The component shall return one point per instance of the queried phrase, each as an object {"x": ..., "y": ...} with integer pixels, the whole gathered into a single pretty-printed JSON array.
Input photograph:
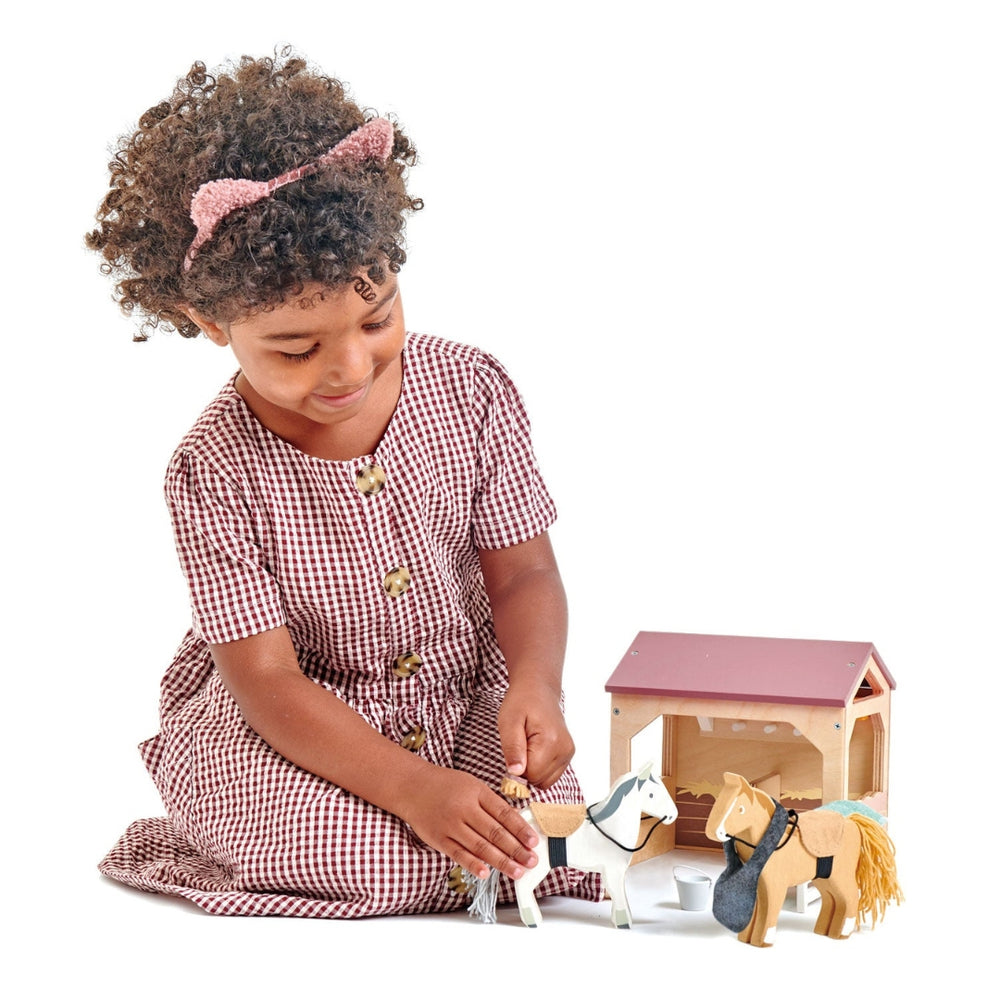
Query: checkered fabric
[{"x": 269, "y": 536}]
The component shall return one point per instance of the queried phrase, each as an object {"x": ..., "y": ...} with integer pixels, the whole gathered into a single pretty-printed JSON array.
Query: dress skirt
[{"x": 250, "y": 834}]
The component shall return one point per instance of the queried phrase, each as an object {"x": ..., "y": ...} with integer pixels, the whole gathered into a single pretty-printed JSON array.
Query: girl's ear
[{"x": 211, "y": 329}]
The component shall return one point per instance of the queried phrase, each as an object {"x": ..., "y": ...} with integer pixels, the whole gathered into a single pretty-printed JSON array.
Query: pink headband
[{"x": 214, "y": 200}]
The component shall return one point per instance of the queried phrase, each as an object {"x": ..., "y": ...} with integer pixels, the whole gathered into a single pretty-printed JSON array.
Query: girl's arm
[
  {"x": 530, "y": 619},
  {"x": 451, "y": 811}
]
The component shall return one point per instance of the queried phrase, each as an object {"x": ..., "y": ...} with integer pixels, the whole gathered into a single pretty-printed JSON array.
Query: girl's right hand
[{"x": 457, "y": 814}]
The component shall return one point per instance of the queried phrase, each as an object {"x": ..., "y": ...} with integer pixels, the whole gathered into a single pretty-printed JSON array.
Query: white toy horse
[{"x": 598, "y": 838}]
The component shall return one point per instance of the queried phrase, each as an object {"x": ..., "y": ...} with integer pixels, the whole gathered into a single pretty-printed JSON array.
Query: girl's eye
[
  {"x": 305, "y": 356},
  {"x": 381, "y": 324}
]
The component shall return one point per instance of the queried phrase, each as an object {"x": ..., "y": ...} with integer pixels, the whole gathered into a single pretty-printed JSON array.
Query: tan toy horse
[{"x": 849, "y": 858}]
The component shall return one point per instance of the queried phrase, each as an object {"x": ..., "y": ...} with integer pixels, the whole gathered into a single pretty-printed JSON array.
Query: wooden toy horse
[
  {"x": 598, "y": 838},
  {"x": 849, "y": 858}
]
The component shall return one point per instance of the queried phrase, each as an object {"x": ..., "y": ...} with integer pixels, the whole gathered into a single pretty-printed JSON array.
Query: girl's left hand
[{"x": 536, "y": 744}]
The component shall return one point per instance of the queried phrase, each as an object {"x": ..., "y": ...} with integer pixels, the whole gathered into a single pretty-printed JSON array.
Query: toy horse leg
[
  {"x": 839, "y": 908},
  {"x": 524, "y": 889},
  {"x": 834, "y": 918},
  {"x": 839, "y": 893},
  {"x": 621, "y": 915},
  {"x": 849, "y": 922},
  {"x": 745, "y": 934},
  {"x": 765, "y": 915},
  {"x": 827, "y": 907}
]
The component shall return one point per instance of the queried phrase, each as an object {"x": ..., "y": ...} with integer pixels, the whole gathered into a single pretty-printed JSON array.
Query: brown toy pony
[{"x": 849, "y": 858}]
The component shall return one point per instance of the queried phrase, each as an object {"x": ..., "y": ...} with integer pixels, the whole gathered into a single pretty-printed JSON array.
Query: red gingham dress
[{"x": 270, "y": 536}]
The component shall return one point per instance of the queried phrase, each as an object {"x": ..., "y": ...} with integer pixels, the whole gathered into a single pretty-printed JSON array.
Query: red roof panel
[{"x": 744, "y": 668}]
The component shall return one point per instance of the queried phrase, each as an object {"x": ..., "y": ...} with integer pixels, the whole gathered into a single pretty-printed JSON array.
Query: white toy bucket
[{"x": 694, "y": 887}]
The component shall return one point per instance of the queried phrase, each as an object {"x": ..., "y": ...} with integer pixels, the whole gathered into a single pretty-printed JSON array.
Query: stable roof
[{"x": 745, "y": 668}]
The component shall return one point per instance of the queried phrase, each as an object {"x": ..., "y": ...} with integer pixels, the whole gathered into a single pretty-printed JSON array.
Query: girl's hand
[
  {"x": 457, "y": 814},
  {"x": 536, "y": 744}
]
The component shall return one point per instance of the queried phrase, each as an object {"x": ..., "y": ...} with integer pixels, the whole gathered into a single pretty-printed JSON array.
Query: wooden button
[
  {"x": 414, "y": 739},
  {"x": 407, "y": 665},
  {"x": 370, "y": 480},
  {"x": 397, "y": 581}
]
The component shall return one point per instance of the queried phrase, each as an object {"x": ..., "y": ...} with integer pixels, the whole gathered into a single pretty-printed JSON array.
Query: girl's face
[{"x": 313, "y": 365}]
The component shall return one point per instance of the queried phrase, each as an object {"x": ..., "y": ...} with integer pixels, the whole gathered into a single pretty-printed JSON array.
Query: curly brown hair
[{"x": 255, "y": 120}]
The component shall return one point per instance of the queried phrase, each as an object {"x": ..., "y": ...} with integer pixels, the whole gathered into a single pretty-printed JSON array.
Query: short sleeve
[
  {"x": 512, "y": 504},
  {"x": 233, "y": 595}
]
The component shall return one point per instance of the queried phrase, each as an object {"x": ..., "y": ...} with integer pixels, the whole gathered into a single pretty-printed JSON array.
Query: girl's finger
[
  {"x": 480, "y": 855},
  {"x": 510, "y": 822},
  {"x": 472, "y": 859},
  {"x": 497, "y": 847}
]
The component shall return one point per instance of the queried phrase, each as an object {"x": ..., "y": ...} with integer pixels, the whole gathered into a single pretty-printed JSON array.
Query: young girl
[{"x": 378, "y": 620}]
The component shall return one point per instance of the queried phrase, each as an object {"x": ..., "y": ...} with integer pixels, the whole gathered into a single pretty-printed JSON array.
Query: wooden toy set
[{"x": 777, "y": 749}]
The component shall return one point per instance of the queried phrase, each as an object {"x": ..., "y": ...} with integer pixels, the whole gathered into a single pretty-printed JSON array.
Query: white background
[{"x": 742, "y": 260}]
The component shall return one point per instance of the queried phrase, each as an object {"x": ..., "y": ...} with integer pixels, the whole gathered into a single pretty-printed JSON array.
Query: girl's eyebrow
[
  {"x": 305, "y": 335},
  {"x": 288, "y": 336}
]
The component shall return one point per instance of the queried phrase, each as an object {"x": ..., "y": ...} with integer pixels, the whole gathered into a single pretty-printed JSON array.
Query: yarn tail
[
  {"x": 484, "y": 896},
  {"x": 876, "y": 872}
]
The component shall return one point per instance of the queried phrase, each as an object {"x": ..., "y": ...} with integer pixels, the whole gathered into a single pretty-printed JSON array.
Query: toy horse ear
[
  {"x": 729, "y": 778},
  {"x": 645, "y": 771}
]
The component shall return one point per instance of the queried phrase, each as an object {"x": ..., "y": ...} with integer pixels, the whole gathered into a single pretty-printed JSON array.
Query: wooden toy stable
[{"x": 805, "y": 720}]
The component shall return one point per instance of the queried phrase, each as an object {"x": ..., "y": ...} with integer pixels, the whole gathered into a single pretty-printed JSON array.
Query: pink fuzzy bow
[{"x": 214, "y": 200}]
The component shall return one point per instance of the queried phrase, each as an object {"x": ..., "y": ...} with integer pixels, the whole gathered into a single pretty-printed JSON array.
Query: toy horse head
[{"x": 738, "y": 808}]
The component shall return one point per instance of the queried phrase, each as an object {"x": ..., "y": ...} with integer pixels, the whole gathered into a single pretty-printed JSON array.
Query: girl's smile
[
  {"x": 341, "y": 399},
  {"x": 323, "y": 371}
]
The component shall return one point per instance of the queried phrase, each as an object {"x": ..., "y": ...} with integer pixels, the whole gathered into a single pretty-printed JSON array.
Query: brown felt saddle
[
  {"x": 555, "y": 820},
  {"x": 821, "y": 831}
]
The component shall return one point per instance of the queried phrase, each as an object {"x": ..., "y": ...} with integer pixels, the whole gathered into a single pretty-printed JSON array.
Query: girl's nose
[{"x": 349, "y": 366}]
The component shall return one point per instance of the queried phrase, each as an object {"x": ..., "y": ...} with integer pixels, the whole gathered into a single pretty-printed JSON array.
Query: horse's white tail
[{"x": 484, "y": 897}]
